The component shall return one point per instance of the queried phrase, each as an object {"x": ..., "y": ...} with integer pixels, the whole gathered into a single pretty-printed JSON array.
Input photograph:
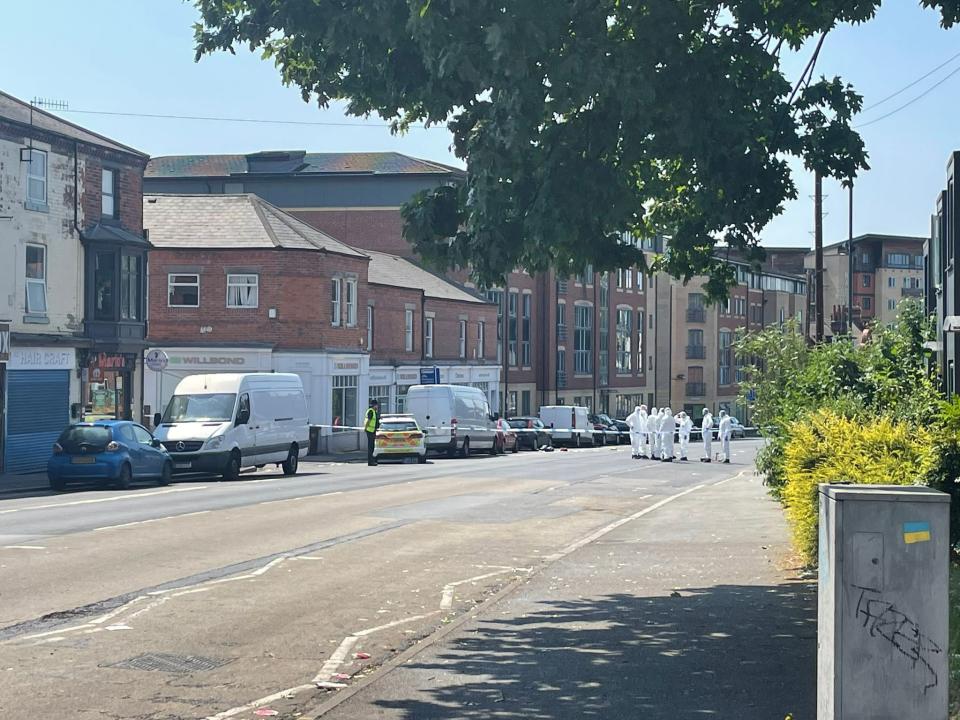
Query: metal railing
[
  {"x": 696, "y": 315},
  {"x": 561, "y": 379},
  {"x": 911, "y": 292},
  {"x": 696, "y": 352},
  {"x": 561, "y": 287},
  {"x": 561, "y": 332},
  {"x": 696, "y": 389}
]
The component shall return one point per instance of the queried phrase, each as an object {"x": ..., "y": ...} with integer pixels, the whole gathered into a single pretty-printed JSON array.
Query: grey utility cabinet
[{"x": 883, "y": 603}]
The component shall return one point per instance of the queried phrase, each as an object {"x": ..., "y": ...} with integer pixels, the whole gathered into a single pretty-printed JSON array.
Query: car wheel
[
  {"x": 465, "y": 449},
  {"x": 125, "y": 477},
  {"x": 292, "y": 462},
  {"x": 516, "y": 446},
  {"x": 232, "y": 471},
  {"x": 166, "y": 475},
  {"x": 578, "y": 440},
  {"x": 422, "y": 459},
  {"x": 57, "y": 484},
  {"x": 495, "y": 448}
]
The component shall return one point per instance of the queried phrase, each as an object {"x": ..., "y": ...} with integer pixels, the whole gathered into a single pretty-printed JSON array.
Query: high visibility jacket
[{"x": 372, "y": 420}]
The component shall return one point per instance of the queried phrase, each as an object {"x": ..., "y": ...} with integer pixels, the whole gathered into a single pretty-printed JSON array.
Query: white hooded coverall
[
  {"x": 635, "y": 421},
  {"x": 654, "y": 432},
  {"x": 707, "y": 427},
  {"x": 668, "y": 426},
  {"x": 724, "y": 431},
  {"x": 685, "y": 426}
]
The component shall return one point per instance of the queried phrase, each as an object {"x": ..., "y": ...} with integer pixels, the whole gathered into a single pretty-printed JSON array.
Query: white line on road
[
  {"x": 106, "y": 499},
  {"x": 617, "y": 523},
  {"x": 378, "y": 628},
  {"x": 446, "y": 600},
  {"x": 151, "y": 520},
  {"x": 261, "y": 702},
  {"x": 336, "y": 660},
  {"x": 24, "y": 547}
]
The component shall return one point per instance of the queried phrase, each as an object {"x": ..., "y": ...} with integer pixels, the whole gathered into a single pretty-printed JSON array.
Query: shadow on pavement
[{"x": 743, "y": 652}]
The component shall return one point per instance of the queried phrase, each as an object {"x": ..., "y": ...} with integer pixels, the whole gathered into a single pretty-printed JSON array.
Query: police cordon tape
[{"x": 547, "y": 430}]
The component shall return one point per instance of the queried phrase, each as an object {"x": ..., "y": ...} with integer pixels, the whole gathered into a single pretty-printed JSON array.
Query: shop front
[
  {"x": 4, "y": 359},
  {"x": 41, "y": 386},
  {"x": 108, "y": 384}
]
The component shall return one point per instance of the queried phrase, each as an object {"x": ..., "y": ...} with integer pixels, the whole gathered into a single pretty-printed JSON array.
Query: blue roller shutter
[{"x": 38, "y": 408}]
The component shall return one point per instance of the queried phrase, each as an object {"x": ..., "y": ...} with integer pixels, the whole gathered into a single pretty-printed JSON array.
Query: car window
[
  {"x": 124, "y": 433},
  {"x": 94, "y": 436},
  {"x": 398, "y": 426},
  {"x": 143, "y": 437}
]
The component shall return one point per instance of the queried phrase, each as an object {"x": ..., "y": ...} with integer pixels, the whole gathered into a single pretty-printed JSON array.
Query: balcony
[
  {"x": 911, "y": 292},
  {"x": 561, "y": 333},
  {"x": 561, "y": 287},
  {"x": 696, "y": 389},
  {"x": 561, "y": 379},
  {"x": 696, "y": 352},
  {"x": 696, "y": 315}
]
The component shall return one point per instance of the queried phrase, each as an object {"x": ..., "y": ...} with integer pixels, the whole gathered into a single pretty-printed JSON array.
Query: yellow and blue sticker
[{"x": 916, "y": 532}]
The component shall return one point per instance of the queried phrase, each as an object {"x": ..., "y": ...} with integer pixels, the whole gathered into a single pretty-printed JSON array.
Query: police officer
[{"x": 370, "y": 425}]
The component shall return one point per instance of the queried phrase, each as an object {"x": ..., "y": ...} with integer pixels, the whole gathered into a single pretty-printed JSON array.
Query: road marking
[
  {"x": 742, "y": 473},
  {"x": 151, "y": 520},
  {"x": 261, "y": 702},
  {"x": 446, "y": 599},
  {"x": 378, "y": 628},
  {"x": 617, "y": 523},
  {"x": 334, "y": 662},
  {"x": 24, "y": 547},
  {"x": 103, "y": 500}
]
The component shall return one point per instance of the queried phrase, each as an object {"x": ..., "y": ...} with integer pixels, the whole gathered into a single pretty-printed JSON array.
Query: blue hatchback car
[{"x": 114, "y": 452}]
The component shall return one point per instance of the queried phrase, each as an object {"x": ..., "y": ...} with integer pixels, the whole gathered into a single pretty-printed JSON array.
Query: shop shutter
[{"x": 38, "y": 408}]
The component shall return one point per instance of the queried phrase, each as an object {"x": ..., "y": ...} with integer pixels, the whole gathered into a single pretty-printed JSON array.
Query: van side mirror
[{"x": 157, "y": 417}]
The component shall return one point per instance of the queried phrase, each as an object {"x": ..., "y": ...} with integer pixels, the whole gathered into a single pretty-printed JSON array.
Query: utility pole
[
  {"x": 850, "y": 262},
  {"x": 818, "y": 253}
]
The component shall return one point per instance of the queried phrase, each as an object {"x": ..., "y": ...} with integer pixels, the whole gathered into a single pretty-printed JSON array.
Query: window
[
  {"x": 741, "y": 306},
  {"x": 108, "y": 193},
  {"x": 624, "y": 278},
  {"x": 130, "y": 287},
  {"x": 183, "y": 290},
  {"x": 496, "y": 296},
  {"x": 639, "y": 280},
  {"x": 351, "y": 302},
  {"x": 868, "y": 303},
  {"x": 898, "y": 259},
  {"x": 725, "y": 356},
  {"x": 344, "y": 400},
  {"x": 37, "y": 178},
  {"x": 243, "y": 291},
  {"x": 781, "y": 316},
  {"x": 381, "y": 393},
  {"x": 369, "y": 328},
  {"x": 891, "y": 282},
  {"x": 525, "y": 331},
  {"x": 408, "y": 330},
  {"x": 463, "y": 339},
  {"x": 512, "y": 402},
  {"x": 36, "y": 279},
  {"x": 866, "y": 281},
  {"x": 561, "y": 321},
  {"x": 624, "y": 339},
  {"x": 918, "y": 261},
  {"x": 402, "y": 398},
  {"x": 891, "y": 304},
  {"x": 512, "y": 328},
  {"x": 481, "y": 335},
  {"x": 335, "y": 290},
  {"x": 428, "y": 338},
  {"x": 525, "y": 402},
  {"x": 583, "y": 339},
  {"x": 104, "y": 290},
  {"x": 141, "y": 435},
  {"x": 640, "y": 341}
]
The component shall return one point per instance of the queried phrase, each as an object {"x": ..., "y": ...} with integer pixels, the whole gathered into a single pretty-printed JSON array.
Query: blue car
[{"x": 116, "y": 452}]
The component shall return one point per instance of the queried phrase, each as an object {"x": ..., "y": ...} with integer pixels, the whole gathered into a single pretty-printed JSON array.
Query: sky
[{"x": 136, "y": 56}]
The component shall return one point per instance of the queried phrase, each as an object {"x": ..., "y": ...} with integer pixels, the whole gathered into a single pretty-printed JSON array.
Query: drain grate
[{"x": 163, "y": 662}]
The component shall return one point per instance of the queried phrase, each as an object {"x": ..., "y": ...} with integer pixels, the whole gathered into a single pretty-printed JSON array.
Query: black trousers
[{"x": 371, "y": 439}]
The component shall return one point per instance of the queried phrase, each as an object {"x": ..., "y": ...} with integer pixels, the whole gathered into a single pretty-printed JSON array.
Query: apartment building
[
  {"x": 885, "y": 270},
  {"x": 72, "y": 308},
  {"x": 941, "y": 280}
]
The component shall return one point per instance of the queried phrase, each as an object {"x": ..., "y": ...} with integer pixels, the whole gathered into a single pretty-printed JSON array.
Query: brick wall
[
  {"x": 366, "y": 229},
  {"x": 297, "y": 283},
  {"x": 129, "y": 189}
]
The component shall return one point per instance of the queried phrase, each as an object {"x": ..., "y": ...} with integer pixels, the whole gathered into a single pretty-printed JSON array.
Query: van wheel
[
  {"x": 578, "y": 440},
  {"x": 166, "y": 475},
  {"x": 292, "y": 462},
  {"x": 465, "y": 449},
  {"x": 422, "y": 459},
  {"x": 232, "y": 471},
  {"x": 125, "y": 477}
]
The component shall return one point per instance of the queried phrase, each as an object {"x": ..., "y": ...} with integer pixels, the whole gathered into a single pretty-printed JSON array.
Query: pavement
[{"x": 544, "y": 585}]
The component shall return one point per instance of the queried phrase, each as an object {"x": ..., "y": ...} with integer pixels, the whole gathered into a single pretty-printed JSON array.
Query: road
[{"x": 209, "y": 599}]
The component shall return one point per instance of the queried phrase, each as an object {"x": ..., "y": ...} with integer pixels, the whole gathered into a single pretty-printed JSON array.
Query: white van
[
  {"x": 454, "y": 418},
  {"x": 224, "y": 422},
  {"x": 570, "y": 423}
]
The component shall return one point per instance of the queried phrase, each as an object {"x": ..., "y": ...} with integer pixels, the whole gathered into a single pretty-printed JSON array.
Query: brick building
[
  {"x": 72, "y": 304},
  {"x": 236, "y": 284}
]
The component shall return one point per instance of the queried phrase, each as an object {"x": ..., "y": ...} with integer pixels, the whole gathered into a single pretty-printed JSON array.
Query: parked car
[
  {"x": 531, "y": 432},
  {"x": 507, "y": 440},
  {"x": 624, "y": 431},
  {"x": 736, "y": 429},
  {"x": 117, "y": 452},
  {"x": 399, "y": 436},
  {"x": 605, "y": 432},
  {"x": 568, "y": 424},
  {"x": 454, "y": 418},
  {"x": 615, "y": 433},
  {"x": 220, "y": 423}
]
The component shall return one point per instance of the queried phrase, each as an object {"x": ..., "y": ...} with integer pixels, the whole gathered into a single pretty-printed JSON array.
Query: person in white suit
[
  {"x": 642, "y": 428},
  {"x": 654, "y": 434},
  {"x": 684, "y": 428},
  {"x": 635, "y": 421},
  {"x": 668, "y": 426},
  {"x": 706, "y": 427},
  {"x": 724, "y": 431}
]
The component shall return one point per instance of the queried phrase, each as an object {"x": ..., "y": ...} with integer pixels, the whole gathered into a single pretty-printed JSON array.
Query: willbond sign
[{"x": 229, "y": 360}]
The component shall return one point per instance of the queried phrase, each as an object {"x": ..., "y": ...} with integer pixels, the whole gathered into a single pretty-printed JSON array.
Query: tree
[{"x": 579, "y": 120}]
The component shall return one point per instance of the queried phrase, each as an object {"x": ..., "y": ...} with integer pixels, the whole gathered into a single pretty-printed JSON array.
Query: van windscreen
[{"x": 215, "y": 407}]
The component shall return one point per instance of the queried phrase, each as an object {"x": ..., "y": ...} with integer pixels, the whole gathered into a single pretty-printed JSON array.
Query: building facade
[
  {"x": 941, "y": 281},
  {"x": 72, "y": 307}
]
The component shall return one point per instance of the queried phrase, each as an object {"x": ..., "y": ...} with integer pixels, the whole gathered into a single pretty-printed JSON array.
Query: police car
[{"x": 399, "y": 436}]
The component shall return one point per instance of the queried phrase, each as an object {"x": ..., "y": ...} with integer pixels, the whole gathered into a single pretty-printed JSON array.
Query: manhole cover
[{"x": 162, "y": 662}]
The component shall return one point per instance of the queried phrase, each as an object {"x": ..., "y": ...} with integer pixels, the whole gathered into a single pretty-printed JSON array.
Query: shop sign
[
  {"x": 346, "y": 365},
  {"x": 430, "y": 375},
  {"x": 487, "y": 374},
  {"x": 4, "y": 342},
  {"x": 460, "y": 375},
  {"x": 208, "y": 360},
  {"x": 407, "y": 377},
  {"x": 103, "y": 361},
  {"x": 381, "y": 378},
  {"x": 42, "y": 358},
  {"x": 157, "y": 360}
]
